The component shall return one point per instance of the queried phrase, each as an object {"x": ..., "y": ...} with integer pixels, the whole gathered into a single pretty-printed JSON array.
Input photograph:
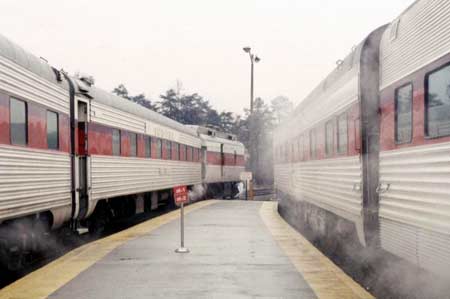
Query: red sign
[{"x": 180, "y": 194}]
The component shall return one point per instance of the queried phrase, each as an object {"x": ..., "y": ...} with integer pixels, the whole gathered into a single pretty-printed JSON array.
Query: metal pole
[
  {"x": 182, "y": 225},
  {"x": 251, "y": 84},
  {"x": 182, "y": 249}
]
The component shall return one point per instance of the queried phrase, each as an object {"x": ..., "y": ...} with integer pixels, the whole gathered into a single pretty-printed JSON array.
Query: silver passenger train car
[
  {"x": 367, "y": 152},
  {"x": 71, "y": 153}
]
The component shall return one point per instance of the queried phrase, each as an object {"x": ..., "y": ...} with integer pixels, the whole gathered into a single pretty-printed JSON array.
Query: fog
[{"x": 148, "y": 45}]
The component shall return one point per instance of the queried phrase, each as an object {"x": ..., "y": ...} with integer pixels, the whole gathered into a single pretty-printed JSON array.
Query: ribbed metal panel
[
  {"x": 114, "y": 176},
  {"x": 330, "y": 184},
  {"x": 419, "y": 198},
  {"x": 32, "y": 181},
  {"x": 113, "y": 117},
  {"x": 230, "y": 173},
  {"x": 423, "y": 35},
  {"x": 18, "y": 80},
  {"x": 281, "y": 177}
]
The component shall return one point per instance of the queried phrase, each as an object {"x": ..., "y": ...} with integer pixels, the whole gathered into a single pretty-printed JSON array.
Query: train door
[{"x": 82, "y": 157}]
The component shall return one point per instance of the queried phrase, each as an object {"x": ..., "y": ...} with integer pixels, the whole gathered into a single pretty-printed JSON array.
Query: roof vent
[
  {"x": 394, "y": 30},
  {"x": 89, "y": 80}
]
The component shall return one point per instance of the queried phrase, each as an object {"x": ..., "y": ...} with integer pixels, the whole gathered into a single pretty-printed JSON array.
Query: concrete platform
[{"x": 239, "y": 249}]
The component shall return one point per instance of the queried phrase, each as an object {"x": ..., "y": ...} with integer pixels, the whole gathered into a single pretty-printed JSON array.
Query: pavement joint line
[
  {"x": 51, "y": 277},
  {"x": 326, "y": 279}
]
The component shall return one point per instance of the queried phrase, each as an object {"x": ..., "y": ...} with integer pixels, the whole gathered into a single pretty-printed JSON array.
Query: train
[
  {"x": 366, "y": 155},
  {"x": 74, "y": 155}
]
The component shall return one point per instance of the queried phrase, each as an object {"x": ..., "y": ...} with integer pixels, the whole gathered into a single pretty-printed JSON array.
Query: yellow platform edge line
[
  {"x": 48, "y": 279},
  {"x": 326, "y": 279}
]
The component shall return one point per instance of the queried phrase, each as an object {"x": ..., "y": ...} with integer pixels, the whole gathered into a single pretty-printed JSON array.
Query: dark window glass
[
  {"x": 438, "y": 103},
  {"x": 52, "y": 130},
  {"x": 342, "y": 134},
  {"x": 189, "y": 153},
  {"x": 18, "y": 116},
  {"x": 133, "y": 145},
  {"x": 312, "y": 144},
  {"x": 176, "y": 148},
  {"x": 185, "y": 152},
  {"x": 159, "y": 149},
  {"x": 148, "y": 146},
  {"x": 169, "y": 150},
  {"x": 403, "y": 114},
  {"x": 179, "y": 151},
  {"x": 235, "y": 158},
  {"x": 116, "y": 142},
  {"x": 329, "y": 132},
  {"x": 300, "y": 148}
]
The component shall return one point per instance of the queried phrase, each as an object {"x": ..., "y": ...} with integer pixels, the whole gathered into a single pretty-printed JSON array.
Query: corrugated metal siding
[
  {"x": 418, "y": 197},
  {"x": 32, "y": 181},
  {"x": 232, "y": 173},
  {"x": 423, "y": 35},
  {"x": 329, "y": 184},
  {"x": 114, "y": 176},
  {"x": 112, "y": 117},
  {"x": 17, "y": 80},
  {"x": 281, "y": 177}
]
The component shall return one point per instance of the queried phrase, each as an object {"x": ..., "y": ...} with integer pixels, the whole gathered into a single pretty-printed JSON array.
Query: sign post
[
  {"x": 181, "y": 196},
  {"x": 246, "y": 176}
]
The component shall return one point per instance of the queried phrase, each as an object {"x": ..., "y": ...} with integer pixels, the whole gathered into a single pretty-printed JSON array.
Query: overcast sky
[{"x": 149, "y": 45}]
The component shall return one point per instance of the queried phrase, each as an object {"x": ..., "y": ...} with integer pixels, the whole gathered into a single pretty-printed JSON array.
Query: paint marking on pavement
[
  {"x": 46, "y": 280},
  {"x": 326, "y": 279}
]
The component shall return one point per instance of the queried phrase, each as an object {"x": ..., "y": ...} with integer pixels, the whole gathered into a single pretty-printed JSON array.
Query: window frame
[
  {"x": 120, "y": 142},
  {"x": 412, "y": 113},
  {"x": 148, "y": 146},
  {"x": 135, "y": 153},
  {"x": 159, "y": 148},
  {"x": 425, "y": 110},
  {"x": 57, "y": 129},
  {"x": 169, "y": 149},
  {"x": 331, "y": 153},
  {"x": 338, "y": 127},
  {"x": 26, "y": 122},
  {"x": 312, "y": 153}
]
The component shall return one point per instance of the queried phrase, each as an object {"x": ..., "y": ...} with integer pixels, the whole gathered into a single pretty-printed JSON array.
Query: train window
[
  {"x": 52, "y": 130},
  {"x": 133, "y": 144},
  {"x": 300, "y": 148},
  {"x": 403, "y": 114},
  {"x": 342, "y": 133},
  {"x": 182, "y": 150},
  {"x": 158, "y": 148},
  {"x": 176, "y": 148},
  {"x": 191, "y": 153},
  {"x": 18, "y": 116},
  {"x": 116, "y": 138},
  {"x": 185, "y": 152},
  {"x": 169, "y": 150},
  {"x": 235, "y": 158},
  {"x": 148, "y": 146},
  {"x": 179, "y": 151},
  {"x": 312, "y": 144},
  {"x": 438, "y": 103},
  {"x": 329, "y": 142}
]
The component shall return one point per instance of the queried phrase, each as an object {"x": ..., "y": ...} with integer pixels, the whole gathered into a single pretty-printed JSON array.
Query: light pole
[{"x": 253, "y": 59}]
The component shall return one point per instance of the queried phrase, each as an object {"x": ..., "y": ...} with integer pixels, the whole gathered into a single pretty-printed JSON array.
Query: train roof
[
  {"x": 413, "y": 40},
  {"x": 28, "y": 61},
  {"x": 348, "y": 66},
  {"x": 106, "y": 98},
  {"x": 212, "y": 134}
]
